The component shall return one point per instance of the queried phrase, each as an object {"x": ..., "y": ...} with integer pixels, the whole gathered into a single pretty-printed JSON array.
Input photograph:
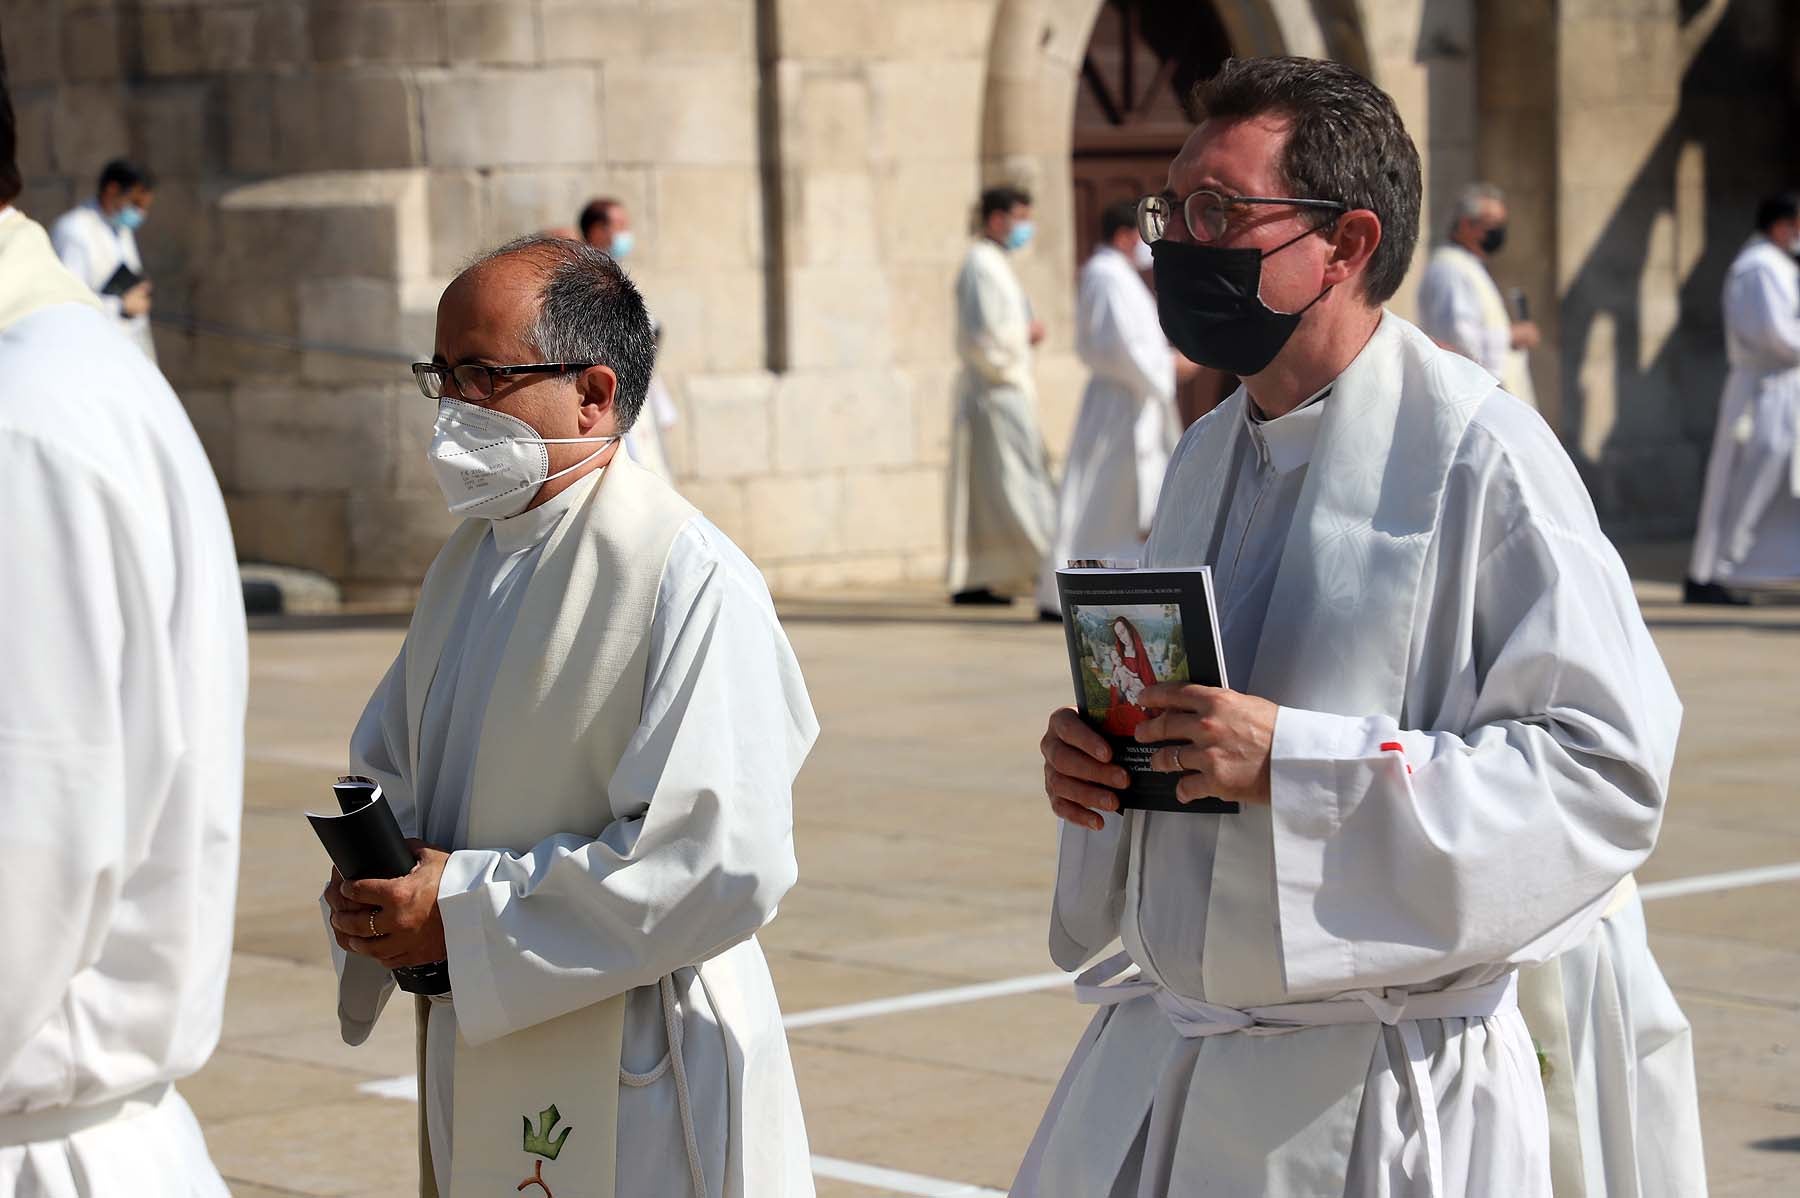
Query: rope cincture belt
[{"x": 1101, "y": 985}]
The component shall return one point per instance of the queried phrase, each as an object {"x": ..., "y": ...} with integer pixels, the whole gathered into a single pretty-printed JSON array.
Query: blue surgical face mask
[
  {"x": 130, "y": 217},
  {"x": 621, "y": 246},
  {"x": 1019, "y": 236}
]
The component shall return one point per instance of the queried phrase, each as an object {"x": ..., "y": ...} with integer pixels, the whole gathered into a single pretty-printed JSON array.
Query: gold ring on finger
[
  {"x": 1179, "y": 768},
  {"x": 372, "y": 932}
]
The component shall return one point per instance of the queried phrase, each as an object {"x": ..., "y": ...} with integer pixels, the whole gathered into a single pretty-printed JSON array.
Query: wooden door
[{"x": 1131, "y": 118}]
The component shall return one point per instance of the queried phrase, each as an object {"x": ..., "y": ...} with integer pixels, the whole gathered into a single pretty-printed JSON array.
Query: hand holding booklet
[
  {"x": 364, "y": 841},
  {"x": 1129, "y": 629}
]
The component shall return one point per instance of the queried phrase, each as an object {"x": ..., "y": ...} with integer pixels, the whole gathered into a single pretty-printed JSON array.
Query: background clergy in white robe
[
  {"x": 1126, "y": 427},
  {"x": 674, "y": 776},
  {"x": 1452, "y": 745},
  {"x": 94, "y": 239},
  {"x": 121, "y": 745},
  {"x": 1749, "y": 529},
  {"x": 1460, "y": 306},
  {"x": 1001, "y": 505}
]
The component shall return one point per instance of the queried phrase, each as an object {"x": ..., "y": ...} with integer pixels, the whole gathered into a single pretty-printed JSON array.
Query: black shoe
[
  {"x": 1711, "y": 592},
  {"x": 980, "y": 598},
  {"x": 1046, "y": 616}
]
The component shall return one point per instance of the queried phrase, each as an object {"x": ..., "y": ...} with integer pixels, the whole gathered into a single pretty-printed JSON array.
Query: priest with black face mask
[{"x": 1451, "y": 749}]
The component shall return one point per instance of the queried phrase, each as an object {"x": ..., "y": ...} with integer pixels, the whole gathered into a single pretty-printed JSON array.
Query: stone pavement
[{"x": 925, "y": 859}]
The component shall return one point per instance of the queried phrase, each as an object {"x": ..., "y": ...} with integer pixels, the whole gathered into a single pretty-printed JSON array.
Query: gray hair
[
  {"x": 588, "y": 311},
  {"x": 1472, "y": 200}
]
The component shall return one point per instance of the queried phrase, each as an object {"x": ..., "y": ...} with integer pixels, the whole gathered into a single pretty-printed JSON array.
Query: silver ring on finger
[{"x": 1179, "y": 768}]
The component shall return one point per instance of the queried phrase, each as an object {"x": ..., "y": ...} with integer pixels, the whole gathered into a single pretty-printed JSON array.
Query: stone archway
[{"x": 1034, "y": 69}]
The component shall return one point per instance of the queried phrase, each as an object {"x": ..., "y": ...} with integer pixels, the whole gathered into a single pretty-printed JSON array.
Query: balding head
[{"x": 548, "y": 299}]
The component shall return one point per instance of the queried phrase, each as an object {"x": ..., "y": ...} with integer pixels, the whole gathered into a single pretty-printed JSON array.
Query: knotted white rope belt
[
  {"x": 61, "y": 1122},
  {"x": 1104, "y": 985}
]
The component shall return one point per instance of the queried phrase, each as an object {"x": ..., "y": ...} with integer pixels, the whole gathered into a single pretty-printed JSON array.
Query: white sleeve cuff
[{"x": 467, "y": 902}]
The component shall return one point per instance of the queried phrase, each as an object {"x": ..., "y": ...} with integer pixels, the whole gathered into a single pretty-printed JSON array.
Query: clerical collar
[
  {"x": 1286, "y": 442},
  {"x": 529, "y": 527}
]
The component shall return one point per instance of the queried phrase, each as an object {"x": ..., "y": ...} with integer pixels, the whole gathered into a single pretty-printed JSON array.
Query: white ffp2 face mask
[{"x": 489, "y": 464}]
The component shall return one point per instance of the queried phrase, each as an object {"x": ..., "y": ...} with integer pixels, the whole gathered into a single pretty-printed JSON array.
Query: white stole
[
  {"x": 1337, "y": 639},
  {"x": 567, "y": 698},
  {"x": 1515, "y": 367},
  {"x": 31, "y": 275}
]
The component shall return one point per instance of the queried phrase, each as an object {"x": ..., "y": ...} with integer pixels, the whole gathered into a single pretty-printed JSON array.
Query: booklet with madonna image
[{"x": 1129, "y": 629}]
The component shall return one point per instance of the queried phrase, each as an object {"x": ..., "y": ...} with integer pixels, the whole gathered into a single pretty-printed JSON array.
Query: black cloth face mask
[
  {"x": 1208, "y": 301},
  {"x": 1493, "y": 239}
]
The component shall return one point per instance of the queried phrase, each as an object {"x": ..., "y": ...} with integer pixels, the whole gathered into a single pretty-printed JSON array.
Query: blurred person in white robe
[
  {"x": 592, "y": 729},
  {"x": 1126, "y": 427},
  {"x": 121, "y": 744},
  {"x": 1460, "y": 305},
  {"x": 94, "y": 239},
  {"x": 605, "y": 224},
  {"x": 1001, "y": 504},
  {"x": 1749, "y": 527},
  {"x": 1451, "y": 747}
]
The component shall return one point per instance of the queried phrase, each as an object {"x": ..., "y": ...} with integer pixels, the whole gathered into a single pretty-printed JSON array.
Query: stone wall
[{"x": 802, "y": 175}]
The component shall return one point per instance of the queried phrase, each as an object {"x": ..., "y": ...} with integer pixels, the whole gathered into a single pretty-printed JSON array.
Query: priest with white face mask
[
  {"x": 592, "y": 728},
  {"x": 121, "y": 744},
  {"x": 1126, "y": 427},
  {"x": 1450, "y": 742}
]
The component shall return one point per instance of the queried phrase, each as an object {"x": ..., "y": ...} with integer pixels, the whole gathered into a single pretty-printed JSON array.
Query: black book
[
  {"x": 364, "y": 841},
  {"x": 123, "y": 280},
  {"x": 1127, "y": 629}
]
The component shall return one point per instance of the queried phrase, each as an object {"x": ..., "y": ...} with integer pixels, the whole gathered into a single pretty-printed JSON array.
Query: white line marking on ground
[
  {"x": 925, "y": 999},
  {"x": 406, "y": 1088},
  {"x": 895, "y": 1182},
  {"x": 1706, "y": 883}
]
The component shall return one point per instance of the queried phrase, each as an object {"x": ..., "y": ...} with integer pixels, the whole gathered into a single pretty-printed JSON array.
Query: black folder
[{"x": 365, "y": 841}]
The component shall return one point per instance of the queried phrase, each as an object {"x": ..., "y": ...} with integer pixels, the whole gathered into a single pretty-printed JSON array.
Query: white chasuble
[
  {"x": 1126, "y": 427},
  {"x": 628, "y": 828},
  {"x": 1472, "y": 751},
  {"x": 1001, "y": 506},
  {"x": 1749, "y": 526},
  {"x": 121, "y": 750},
  {"x": 1460, "y": 307}
]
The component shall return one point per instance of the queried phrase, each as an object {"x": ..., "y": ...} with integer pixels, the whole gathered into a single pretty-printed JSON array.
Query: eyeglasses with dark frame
[
  {"x": 1207, "y": 212},
  {"x": 474, "y": 381}
]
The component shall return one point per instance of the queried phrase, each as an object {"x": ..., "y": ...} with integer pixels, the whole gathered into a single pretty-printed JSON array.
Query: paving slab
[{"x": 926, "y": 857}]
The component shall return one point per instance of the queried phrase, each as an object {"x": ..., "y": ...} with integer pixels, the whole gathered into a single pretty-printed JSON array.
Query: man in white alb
[
  {"x": 1126, "y": 427},
  {"x": 1001, "y": 506},
  {"x": 97, "y": 240},
  {"x": 121, "y": 744},
  {"x": 593, "y": 728},
  {"x": 1749, "y": 527},
  {"x": 1452, "y": 742},
  {"x": 1460, "y": 306}
]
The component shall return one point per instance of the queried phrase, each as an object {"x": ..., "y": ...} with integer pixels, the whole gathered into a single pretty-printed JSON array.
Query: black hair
[
  {"x": 126, "y": 175},
  {"x": 589, "y": 311},
  {"x": 597, "y": 212},
  {"x": 1783, "y": 205},
  {"x": 1002, "y": 199},
  {"x": 1116, "y": 216},
  {"x": 11, "y": 184},
  {"x": 1346, "y": 142}
]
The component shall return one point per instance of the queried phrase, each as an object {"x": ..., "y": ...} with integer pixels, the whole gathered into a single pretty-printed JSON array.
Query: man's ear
[
  {"x": 1357, "y": 238},
  {"x": 597, "y": 386}
]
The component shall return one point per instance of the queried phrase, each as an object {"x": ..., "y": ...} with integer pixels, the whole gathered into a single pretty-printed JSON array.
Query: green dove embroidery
[{"x": 539, "y": 1142}]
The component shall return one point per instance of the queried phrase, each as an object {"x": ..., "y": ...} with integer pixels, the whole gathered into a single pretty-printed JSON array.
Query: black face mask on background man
[
  {"x": 1208, "y": 300},
  {"x": 1493, "y": 239}
]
